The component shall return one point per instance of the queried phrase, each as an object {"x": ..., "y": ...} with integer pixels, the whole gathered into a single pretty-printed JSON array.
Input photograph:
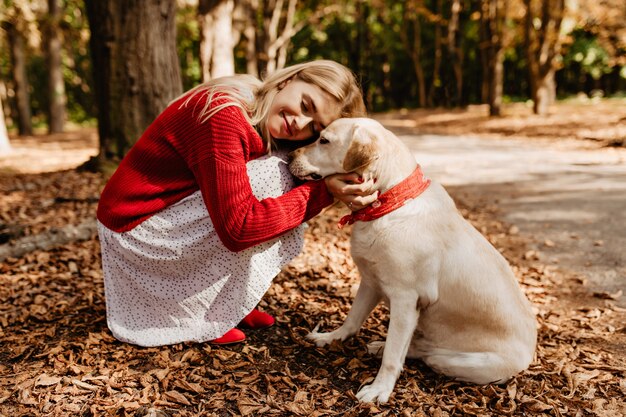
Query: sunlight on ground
[
  {"x": 602, "y": 122},
  {"x": 48, "y": 153},
  {"x": 556, "y": 215}
]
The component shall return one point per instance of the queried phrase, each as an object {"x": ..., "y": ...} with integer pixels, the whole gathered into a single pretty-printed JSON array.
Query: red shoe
[
  {"x": 230, "y": 337},
  {"x": 256, "y": 320}
]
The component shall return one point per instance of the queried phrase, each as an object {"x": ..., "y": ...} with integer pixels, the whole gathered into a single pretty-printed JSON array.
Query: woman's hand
[{"x": 352, "y": 190}]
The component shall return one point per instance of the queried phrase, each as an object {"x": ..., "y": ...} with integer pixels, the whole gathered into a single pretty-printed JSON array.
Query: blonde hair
[{"x": 255, "y": 97}]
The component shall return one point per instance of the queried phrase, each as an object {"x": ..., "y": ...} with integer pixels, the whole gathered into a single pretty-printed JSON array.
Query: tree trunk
[
  {"x": 485, "y": 49},
  {"x": 268, "y": 28},
  {"x": 412, "y": 40},
  {"x": 207, "y": 33},
  {"x": 543, "y": 43},
  {"x": 271, "y": 22},
  {"x": 496, "y": 86},
  {"x": 56, "y": 85},
  {"x": 492, "y": 26},
  {"x": 22, "y": 96},
  {"x": 436, "y": 84},
  {"x": 101, "y": 31},
  {"x": 272, "y": 38},
  {"x": 216, "y": 43},
  {"x": 283, "y": 42},
  {"x": 544, "y": 93},
  {"x": 454, "y": 50},
  {"x": 249, "y": 32},
  {"x": 5, "y": 145},
  {"x": 136, "y": 68}
]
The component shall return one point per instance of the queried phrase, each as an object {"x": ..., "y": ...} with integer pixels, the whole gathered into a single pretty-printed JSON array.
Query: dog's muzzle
[{"x": 300, "y": 169}]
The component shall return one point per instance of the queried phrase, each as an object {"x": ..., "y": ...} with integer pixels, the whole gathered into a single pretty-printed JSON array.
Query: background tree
[
  {"x": 136, "y": 68},
  {"x": 277, "y": 30},
  {"x": 56, "y": 85},
  {"x": 492, "y": 32},
  {"x": 268, "y": 27},
  {"x": 18, "y": 23},
  {"x": 5, "y": 145},
  {"x": 455, "y": 48},
  {"x": 414, "y": 13},
  {"x": 435, "y": 86},
  {"x": 20, "y": 79},
  {"x": 246, "y": 22},
  {"x": 217, "y": 41},
  {"x": 543, "y": 44},
  {"x": 407, "y": 53},
  {"x": 595, "y": 56}
]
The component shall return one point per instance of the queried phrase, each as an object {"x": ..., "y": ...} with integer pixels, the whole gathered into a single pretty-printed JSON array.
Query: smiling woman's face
[{"x": 300, "y": 110}]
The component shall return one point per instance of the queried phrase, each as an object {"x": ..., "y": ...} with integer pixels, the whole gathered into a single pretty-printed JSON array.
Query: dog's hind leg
[
  {"x": 366, "y": 299},
  {"x": 402, "y": 323}
]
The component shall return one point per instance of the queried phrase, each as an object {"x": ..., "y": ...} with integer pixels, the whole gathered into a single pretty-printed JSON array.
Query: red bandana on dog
[{"x": 392, "y": 199}]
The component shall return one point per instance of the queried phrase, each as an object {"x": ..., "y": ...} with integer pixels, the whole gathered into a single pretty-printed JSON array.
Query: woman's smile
[{"x": 287, "y": 127}]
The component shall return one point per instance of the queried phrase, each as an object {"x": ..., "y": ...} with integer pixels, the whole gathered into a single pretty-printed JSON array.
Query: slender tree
[
  {"x": 543, "y": 44},
  {"x": 5, "y": 145},
  {"x": 492, "y": 19},
  {"x": 216, "y": 38},
  {"x": 455, "y": 49},
  {"x": 136, "y": 68},
  {"x": 17, "y": 45},
  {"x": 248, "y": 10},
  {"x": 269, "y": 26},
  {"x": 411, "y": 35},
  {"x": 56, "y": 85},
  {"x": 436, "y": 77}
]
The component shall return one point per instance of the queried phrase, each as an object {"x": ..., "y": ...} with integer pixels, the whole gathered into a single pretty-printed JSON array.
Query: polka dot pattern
[{"x": 170, "y": 279}]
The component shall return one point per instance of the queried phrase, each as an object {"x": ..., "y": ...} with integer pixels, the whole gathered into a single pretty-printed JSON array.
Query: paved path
[{"x": 570, "y": 202}]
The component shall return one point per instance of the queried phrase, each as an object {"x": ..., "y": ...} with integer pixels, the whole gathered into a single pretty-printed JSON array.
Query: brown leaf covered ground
[{"x": 57, "y": 356}]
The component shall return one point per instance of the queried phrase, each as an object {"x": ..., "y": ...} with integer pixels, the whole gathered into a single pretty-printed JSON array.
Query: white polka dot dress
[{"x": 170, "y": 279}]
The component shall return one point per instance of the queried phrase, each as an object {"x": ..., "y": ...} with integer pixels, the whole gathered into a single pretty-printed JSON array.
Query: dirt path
[{"x": 568, "y": 200}]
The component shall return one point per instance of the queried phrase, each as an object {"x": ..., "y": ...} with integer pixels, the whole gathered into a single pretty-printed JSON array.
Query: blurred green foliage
[{"x": 365, "y": 35}]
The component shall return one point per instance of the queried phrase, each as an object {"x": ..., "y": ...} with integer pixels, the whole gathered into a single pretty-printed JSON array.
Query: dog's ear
[{"x": 362, "y": 150}]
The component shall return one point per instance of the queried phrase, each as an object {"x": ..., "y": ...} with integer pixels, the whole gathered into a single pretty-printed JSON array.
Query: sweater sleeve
[{"x": 240, "y": 219}]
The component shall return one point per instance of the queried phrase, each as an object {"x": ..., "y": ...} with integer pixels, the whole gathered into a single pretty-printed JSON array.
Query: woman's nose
[{"x": 302, "y": 121}]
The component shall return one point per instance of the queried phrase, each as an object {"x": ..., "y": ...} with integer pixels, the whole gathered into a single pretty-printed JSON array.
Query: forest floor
[{"x": 57, "y": 356}]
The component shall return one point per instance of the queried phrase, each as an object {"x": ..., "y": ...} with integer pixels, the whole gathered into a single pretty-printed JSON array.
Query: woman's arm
[
  {"x": 243, "y": 221},
  {"x": 218, "y": 162}
]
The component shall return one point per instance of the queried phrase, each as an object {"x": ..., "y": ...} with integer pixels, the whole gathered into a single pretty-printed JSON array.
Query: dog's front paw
[
  {"x": 374, "y": 393},
  {"x": 321, "y": 339}
]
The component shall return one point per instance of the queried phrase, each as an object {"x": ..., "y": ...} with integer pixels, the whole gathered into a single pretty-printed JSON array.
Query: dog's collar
[{"x": 392, "y": 199}]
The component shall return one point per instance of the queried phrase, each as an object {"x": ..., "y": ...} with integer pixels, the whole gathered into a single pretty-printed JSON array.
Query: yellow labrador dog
[{"x": 454, "y": 301}]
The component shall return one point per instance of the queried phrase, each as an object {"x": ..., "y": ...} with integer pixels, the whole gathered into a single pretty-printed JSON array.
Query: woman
[{"x": 198, "y": 219}]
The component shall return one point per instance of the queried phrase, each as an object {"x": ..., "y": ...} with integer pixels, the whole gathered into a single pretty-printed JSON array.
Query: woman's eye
[{"x": 324, "y": 141}]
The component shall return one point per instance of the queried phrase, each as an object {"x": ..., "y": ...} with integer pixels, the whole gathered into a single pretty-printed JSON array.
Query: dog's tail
[{"x": 476, "y": 367}]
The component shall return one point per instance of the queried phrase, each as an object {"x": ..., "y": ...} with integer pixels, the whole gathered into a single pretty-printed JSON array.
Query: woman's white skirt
[{"x": 171, "y": 280}]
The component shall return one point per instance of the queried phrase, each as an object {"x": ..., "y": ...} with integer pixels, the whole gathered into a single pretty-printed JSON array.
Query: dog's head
[{"x": 346, "y": 145}]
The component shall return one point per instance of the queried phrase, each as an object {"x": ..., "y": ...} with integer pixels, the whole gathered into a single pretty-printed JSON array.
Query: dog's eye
[{"x": 324, "y": 141}]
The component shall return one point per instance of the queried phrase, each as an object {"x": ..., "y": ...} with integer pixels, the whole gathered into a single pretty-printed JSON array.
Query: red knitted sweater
[{"x": 178, "y": 155}]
